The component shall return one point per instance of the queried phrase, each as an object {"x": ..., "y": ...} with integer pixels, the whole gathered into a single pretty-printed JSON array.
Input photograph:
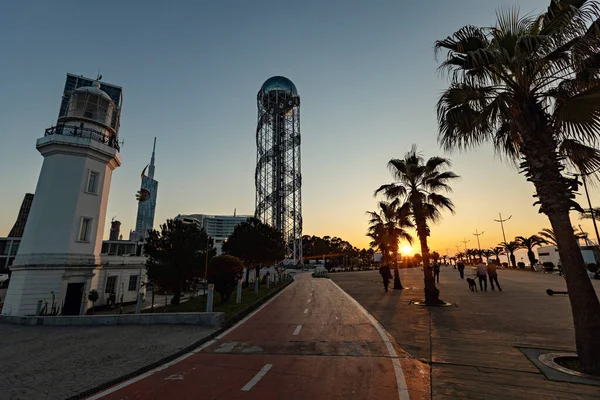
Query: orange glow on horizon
[{"x": 406, "y": 249}]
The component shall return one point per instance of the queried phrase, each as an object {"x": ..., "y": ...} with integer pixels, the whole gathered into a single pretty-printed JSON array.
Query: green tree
[
  {"x": 224, "y": 272},
  {"x": 417, "y": 259},
  {"x": 529, "y": 85},
  {"x": 386, "y": 229},
  {"x": 529, "y": 243},
  {"x": 418, "y": 186},
  {"x": 176, "y": 256},
  {"x": 256, "y": 244},
  {"x": 93, "y": 297}
]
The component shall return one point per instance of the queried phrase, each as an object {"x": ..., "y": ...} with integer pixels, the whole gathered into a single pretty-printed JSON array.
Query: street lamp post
[
  {"x": 478, "y": 234},
  {"x": 205, "y": 272},
  {"x": 502, "y": 221}
]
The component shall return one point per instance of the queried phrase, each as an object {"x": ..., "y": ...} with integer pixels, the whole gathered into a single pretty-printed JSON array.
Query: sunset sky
[{"x": 190, "y": 71}]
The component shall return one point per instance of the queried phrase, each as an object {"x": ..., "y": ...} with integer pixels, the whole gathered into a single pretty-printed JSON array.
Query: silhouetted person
[
  {"x": 386, "y": 275},
  {"x": 461, "y": 270},
  {"x": 436, "y": 272},
  {"x": 482, "y": 275},
  {"x": 493, "y": 275}
]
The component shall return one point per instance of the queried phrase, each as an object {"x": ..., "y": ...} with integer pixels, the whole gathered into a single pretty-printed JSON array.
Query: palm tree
[
  {"x": 497, "y": 251},
  {"x": 487, "y": 253},
  {"x": 471, "y": 254},
  {"x": 547, "y": 234},
  {"x": 529, "y": 243},
  {"x": 587, "y": 213},
  {"x": 530, "y": 86},
  {"x": 418, "y": 185},
  {"x": 510, "y": 249},
  {"x": 386, "y": 229}
]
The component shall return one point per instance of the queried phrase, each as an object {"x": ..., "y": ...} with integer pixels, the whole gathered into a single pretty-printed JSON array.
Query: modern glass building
[
  {"x": 147, "y": 200},
  {"x": 19, "y": 226},
  {"x": 218, "y": 227}
]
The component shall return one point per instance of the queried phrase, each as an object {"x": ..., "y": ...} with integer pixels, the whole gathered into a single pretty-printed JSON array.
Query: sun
[{"x": 406, "y": 249}]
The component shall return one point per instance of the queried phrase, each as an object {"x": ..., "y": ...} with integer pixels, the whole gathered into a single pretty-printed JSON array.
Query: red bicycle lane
[{"x": 312, "y": 341}]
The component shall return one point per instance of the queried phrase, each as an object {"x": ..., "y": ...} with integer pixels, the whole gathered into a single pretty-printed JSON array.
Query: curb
[{"x": 228, "y": 324}]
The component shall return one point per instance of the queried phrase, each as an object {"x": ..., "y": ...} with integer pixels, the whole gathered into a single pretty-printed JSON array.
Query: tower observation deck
[{"x": 278, "y": 175}]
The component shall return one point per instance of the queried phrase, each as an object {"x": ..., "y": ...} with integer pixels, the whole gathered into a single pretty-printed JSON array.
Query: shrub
[
  {"x": 521, "y": 265},
  {"x": 592, "y": 267},
  {"x": 505, "y": 264},
  {"x": 548, "y": 266},
  {"x": 224, "y": 272}
]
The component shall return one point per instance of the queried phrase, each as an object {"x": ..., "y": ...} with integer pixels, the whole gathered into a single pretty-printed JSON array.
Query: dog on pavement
[{"x": 472, "y": 284}]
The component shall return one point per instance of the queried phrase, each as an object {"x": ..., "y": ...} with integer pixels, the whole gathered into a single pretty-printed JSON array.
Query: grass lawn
[{"x": 230, "y": 309}]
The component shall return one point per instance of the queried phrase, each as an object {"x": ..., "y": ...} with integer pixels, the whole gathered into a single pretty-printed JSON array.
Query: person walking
[
  {"x": 386, "y": 275},
  {"x": 481, "y": 271},
  {"x": 461, "y": 270},
  {"x": 493, "y": 275},
  {"x": 436, "y": 272}
]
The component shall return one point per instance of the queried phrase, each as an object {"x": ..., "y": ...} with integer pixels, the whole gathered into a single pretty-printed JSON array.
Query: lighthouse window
[
  {"x": 92, "y": 183},
  {"x": 86, "y": 227}
]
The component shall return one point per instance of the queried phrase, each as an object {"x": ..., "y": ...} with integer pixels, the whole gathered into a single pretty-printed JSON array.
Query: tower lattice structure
[{"x": 278, "y": 174}]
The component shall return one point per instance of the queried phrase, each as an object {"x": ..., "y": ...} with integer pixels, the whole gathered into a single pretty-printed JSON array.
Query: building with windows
[
  {"x": 8, "y": 250},
  {"x": 146, "y": 201},
  {"x": 19, "y": 226},
  {"x": 218, "y": 227},
  {"x": 590, "y": 253},
  {"x": 60, "y": 249}
]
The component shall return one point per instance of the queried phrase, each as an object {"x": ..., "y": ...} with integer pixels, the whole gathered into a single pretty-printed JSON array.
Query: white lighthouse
[{"x": 59, "y": 255}]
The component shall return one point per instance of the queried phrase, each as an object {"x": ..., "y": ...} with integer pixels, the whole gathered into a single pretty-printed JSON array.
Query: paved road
[
  {"x": 311, "y": 342},
  {"x": 474, "y": 347}
]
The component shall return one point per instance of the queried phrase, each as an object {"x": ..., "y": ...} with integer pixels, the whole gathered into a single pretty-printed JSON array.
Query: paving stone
[
  {"x": 472, "y": 347},
  {"x": 55, "y": 362}
]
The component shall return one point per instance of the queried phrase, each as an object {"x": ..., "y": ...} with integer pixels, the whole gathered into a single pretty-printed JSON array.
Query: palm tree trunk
[
  {"x": 543, "y": 169},
  {"x": 584, "y": 301},
  {"x": 397, "y": 281},
  {"x": 531, "y": 256},
  {"x": 432, "y": 294},
  {"x": 513, "y": 260}
]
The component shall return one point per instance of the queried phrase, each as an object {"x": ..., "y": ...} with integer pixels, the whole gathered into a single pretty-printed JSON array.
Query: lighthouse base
[{"x": 48, "y": 289}]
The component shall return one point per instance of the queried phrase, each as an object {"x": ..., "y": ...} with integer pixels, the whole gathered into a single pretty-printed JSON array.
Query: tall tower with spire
[{"x": 146, "y": 198}]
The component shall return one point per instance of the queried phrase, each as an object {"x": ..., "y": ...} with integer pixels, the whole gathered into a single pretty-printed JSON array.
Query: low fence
[{"x": 202, "y": 318}]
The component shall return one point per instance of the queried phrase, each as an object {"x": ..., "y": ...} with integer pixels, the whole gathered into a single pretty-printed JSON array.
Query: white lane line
[
  {"x": 306, "y": 311},
  {"x": 183, "y": 357},
  {"x": 297, "y": 330},
  {"x": 400, "y": 380},
  {"x": 257, "y": 377},
  {"x": 138, "y": 378}
]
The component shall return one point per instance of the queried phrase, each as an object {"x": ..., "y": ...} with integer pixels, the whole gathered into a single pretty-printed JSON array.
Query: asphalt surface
[{"x": 312, "y": 341}]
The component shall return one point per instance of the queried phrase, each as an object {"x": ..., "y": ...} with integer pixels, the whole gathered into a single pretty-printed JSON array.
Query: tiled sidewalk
[{"x": 473, "y": 347}]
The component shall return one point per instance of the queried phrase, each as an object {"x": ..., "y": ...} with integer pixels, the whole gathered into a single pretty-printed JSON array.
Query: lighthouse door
[{"x": 73, "y": 299}]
